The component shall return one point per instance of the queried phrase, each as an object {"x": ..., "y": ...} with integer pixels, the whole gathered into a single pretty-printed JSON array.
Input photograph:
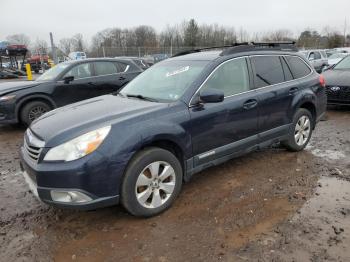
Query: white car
[
  {"x": 77, "y": 55},
  {"x": 335, "y": 58}
]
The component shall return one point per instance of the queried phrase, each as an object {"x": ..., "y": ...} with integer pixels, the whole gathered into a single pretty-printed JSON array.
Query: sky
[{"x": 64, "y": 18}]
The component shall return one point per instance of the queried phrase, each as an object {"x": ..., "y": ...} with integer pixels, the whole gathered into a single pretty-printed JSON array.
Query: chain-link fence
[{"x": 136, "y": 51}]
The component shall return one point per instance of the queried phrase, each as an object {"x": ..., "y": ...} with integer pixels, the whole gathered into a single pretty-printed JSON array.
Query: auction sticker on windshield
[{"x": 179, "y": 71}]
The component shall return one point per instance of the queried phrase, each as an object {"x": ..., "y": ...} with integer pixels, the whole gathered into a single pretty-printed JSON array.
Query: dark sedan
[
  {"x": 338, "y": 83},
  {"x": 66, "y": 83}
]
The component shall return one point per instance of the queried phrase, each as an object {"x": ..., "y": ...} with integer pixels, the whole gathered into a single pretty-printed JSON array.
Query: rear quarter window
[
  {"x": 298, "y": 67},
  {"x": 268, "y": 70}
]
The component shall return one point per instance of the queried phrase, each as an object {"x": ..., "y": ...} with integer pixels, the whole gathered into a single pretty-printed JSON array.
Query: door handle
[
  {"x": 122, "y": 78},
  {"x": 249, "y": 104},
  {"x": 293, "y": 90}
]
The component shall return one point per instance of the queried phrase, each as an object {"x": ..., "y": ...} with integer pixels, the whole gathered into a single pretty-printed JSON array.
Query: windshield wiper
[{"x": 143, "y": 98}]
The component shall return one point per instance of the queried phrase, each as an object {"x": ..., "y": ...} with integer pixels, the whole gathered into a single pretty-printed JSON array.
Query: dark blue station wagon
[{"x": 177, "y": 118}]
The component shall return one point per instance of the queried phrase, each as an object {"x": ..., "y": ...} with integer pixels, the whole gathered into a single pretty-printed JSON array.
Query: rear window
[
  {"x": 105, "y": 68},
  {"x": 268, "y": 70},
  {"x": 298, "y": 66}
]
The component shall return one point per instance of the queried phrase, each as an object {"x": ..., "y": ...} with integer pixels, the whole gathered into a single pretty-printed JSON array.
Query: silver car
[{"x": 318, "y": 58}]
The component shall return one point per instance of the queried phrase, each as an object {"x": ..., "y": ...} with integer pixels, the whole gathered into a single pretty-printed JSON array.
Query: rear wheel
[
  {"x": 301, "y": 131},
  {"x": 151, "y": 183},
  {"x": 32, "y": 111}
]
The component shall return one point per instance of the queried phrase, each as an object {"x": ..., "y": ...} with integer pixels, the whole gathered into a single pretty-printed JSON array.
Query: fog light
[{"x": 69, "y": 196}]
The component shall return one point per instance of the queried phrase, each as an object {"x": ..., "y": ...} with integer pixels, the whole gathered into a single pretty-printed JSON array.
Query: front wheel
[
  {"x": 32, "y": 111},
  {"x": 301, "y": 131},
  {"x": 151, "y": 183}
]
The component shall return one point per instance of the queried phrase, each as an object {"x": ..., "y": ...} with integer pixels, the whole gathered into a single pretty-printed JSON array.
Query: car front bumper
[
  {"x": 90, "y": 177},
  {"x": 7, "y": 113}
]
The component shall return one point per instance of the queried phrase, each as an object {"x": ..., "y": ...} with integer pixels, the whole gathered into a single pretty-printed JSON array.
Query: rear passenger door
[
  {"x": 275, "y": 90},
  {"x": 108, "y": 78}
]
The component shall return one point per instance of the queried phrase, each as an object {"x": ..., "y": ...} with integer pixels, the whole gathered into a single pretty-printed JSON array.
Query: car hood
[
  {"x": 334, "y": 61},
  {"x": 337, "y": 77},
  {"x": 8, "y": 87},
  {"x": 65, "y": 123}
]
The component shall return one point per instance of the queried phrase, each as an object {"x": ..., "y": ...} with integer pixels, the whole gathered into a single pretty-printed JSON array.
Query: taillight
[{"x": 322, "y": 81}]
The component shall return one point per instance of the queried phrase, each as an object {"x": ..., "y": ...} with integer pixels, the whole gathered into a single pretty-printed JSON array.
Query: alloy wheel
[
  {"x": 155, "y": 184},
  {"x": 36, "y": 112},
  {"x": 302, "y": 130}
]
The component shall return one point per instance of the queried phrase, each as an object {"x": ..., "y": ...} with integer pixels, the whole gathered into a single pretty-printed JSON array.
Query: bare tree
[
  {"x": 78, "y": 42},
  {"x": 66, "y": 45},
  {"x": 21, "y": 39},
  {"x": 40, "y": 47},
  {"x": 191, "y": 34}
]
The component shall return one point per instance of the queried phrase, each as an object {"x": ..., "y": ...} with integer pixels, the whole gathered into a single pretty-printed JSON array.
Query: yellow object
[
  {"x": 51, "y": 63},
  {"x": 29, "y": 72}
]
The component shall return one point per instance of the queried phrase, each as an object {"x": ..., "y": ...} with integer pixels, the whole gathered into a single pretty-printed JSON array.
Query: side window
[
  {"x": 121, "y": 67},
  {"x": 268, "y": 70},
  {"x": 298, "y": 66},
  {"x": 80, "y": 71},
  {"x": 317, "y": 55},
  {"x": 231, "y": 77},
  {"x": 311, "y": 56},
  {"x": 105, "y": 68},
  {"x": 287, "y": 73}
]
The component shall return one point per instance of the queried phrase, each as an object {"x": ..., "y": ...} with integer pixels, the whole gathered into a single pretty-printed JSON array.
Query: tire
[
  {"x": 142, "y": 192},
  {"x": 32, "y": 111},
  {"x": 300, "y": 134}
]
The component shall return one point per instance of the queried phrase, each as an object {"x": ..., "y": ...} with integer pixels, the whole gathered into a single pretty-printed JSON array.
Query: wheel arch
[
  {"x": 169, "y": 145},
  {"x": 31, "y": 98},
  {"x": 310, "y": 106}
]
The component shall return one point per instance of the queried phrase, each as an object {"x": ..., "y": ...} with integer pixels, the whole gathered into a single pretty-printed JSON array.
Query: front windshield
[
  {"x": 166, "y": 81},
  {"x": 52, "y": 73},
  {"x": 338, "y": 55},
  {"x": 343, "y": 64}
]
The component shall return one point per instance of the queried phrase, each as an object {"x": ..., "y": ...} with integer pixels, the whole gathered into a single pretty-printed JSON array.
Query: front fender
[{"x": 167, "y": 131}]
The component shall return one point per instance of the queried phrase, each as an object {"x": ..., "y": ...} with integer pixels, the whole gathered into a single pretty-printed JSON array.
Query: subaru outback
[{"x": 187, "y": 113}]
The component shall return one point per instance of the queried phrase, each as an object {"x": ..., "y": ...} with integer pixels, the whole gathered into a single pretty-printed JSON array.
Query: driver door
[
  {"x": 79, "y": 89},
  {"x": 228, "y": 127}
]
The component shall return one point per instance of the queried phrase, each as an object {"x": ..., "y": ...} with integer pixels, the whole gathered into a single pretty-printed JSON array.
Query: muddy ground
[{"x": 270, "y": 205}]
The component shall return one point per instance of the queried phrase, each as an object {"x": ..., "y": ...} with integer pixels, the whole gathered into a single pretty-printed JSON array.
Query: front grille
[
  {"x": 32, "y": 146},
  {"x": 342, "y": 94},
  {"x": 32, "y": 151}
]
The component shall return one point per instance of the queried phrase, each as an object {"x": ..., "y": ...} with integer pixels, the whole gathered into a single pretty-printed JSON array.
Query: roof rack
[
  {"x": 262, "y": 46},
  {"x": 208, "y": 48},
  {"x": 246, "y": 47}
]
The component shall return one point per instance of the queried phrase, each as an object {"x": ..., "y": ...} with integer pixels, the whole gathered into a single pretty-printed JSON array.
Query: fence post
[{"x": 29, "y": 72}]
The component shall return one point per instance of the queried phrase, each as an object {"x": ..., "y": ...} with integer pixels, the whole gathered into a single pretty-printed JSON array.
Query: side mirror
[
  {"x": 68, "y": 79},
  {"x": 211, "y": 95}
]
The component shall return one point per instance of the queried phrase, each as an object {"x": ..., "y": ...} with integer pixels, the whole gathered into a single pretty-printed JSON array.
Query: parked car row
[
  {"x": 323, "y": 59},
  {"x": 187, "y": 113},
  {"x": 66, "y": 83}
]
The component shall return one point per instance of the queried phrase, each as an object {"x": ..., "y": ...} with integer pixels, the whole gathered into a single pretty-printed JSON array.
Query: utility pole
[
  {"x": 344, "y": 43},
  {"x": 53, "y": 49},
  {"x": 103, "y": 50}
]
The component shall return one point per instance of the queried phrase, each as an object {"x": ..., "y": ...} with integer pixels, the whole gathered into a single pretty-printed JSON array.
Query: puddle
[{"x": 328, "y": 154}]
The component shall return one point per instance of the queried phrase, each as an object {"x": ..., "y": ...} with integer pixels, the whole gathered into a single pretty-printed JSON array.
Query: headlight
[
  {"x": 7, "y": 98},
  {"x": 78, "y": 147}
]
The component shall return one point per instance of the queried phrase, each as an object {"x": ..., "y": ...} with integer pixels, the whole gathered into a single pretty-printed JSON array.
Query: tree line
[{"x": 144, "y": 39}]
